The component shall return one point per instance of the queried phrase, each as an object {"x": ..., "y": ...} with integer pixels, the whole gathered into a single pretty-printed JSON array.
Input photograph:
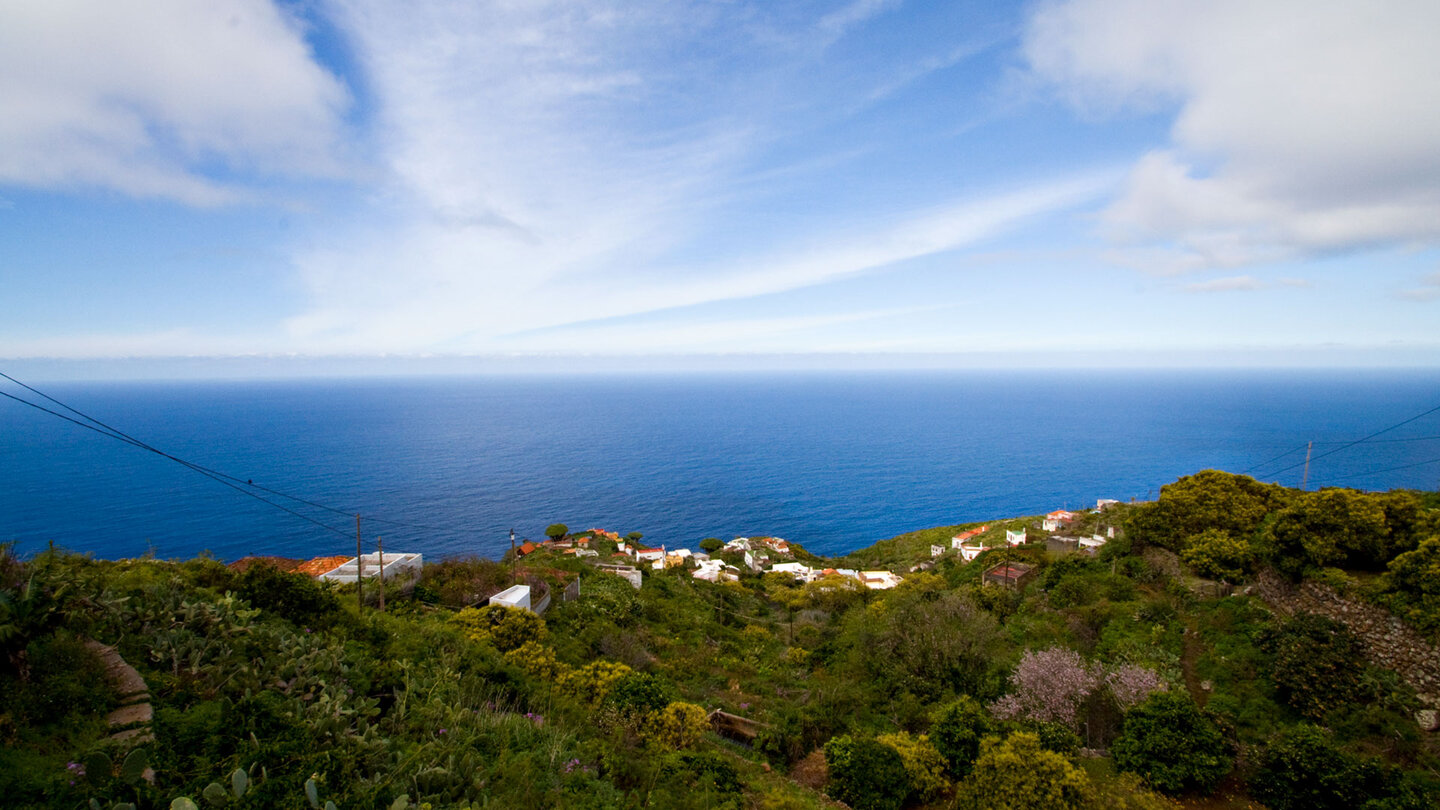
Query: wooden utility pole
[
  {"x": 514, "y": 576},
  {"x": 380, "y": 546},
  {"x": 359, "y": 565},
  {"x": 1305, "y": 482}
]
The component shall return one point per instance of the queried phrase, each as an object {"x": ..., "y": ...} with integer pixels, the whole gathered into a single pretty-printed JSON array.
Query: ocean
[{"x": 834, "y": 461}]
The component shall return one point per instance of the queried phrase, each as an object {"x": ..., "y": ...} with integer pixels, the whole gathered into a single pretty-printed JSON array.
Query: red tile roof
[{"x": 320, "y": 565}]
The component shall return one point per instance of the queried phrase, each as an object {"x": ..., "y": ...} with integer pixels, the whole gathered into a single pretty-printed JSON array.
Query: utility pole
[
  {"x": 359, "y": 565},
  {"x": 380, "y": 546},
  {"x": 514, "y": 576},
  {"x": 1305, "y": 482}
]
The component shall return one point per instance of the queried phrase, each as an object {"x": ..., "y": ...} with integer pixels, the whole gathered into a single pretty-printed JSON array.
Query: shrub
[
  {"x": 1302, "y": 769},
  {"x": 538, "y": 660},
  {"x": 1017, "y": 774},
  {"x": 923, "y": 764},
  {"x": 505, "y": 627},
  {"x": 957, "y": 731},
  {"x": 707, "y": 774},
  {"x": 1317, "y": 663},
  {"x": 294, "y": 597},
  {"x": 678, "y": 725},
  {"x": 1173, "y": 745},
  {"x": 592, "y": 682},
  {"x": 1412, "y": 585},
  {"x": 555, "y": 531},
  {"x": 1216, "y": 554},
  {"x": 866, "y": 774},
  {"x": 637, "y": 695}
]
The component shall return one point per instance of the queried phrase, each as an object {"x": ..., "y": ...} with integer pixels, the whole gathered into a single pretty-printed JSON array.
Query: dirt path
[{"x": 1189, "y": 657}]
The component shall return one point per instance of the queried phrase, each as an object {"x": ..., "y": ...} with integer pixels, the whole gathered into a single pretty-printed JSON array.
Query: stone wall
[{"x": 1389, "y": 643}]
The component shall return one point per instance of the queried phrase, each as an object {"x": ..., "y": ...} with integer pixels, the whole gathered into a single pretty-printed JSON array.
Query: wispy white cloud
[
  {"x": 535, "y": 184},
  {"x": 1302, "y": 128},
  {"x": 836, "y": 23},
  {"x": 1428, "y": 289},
  {"x": 146, "y": 97},
  {"x": 1232, "y": 284}
]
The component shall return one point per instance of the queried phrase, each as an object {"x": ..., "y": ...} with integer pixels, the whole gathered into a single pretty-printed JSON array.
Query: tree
[
  {"x": 1302, "y": 769},
  {"x": 556, "y": 531},
  {"x": 1329, "y": 527},
  {"x": 710, "y": 545},
  {"x": 1210, "y": 499},
  {"x": 1217, "y": 554},
  {"x": 634, "y": 537},
  {"x": 1017, "y": 774},
  {"x": 1412, "y": 585},
  {"x": 923, "y": 764},
  {"x": 1317, "y": 663},
  {"x": 866, "y": 774},
  {"x": 1173, "y": 745},
  {"x": 957, "y": 731},
  {"x": 1048, "y": 686}
]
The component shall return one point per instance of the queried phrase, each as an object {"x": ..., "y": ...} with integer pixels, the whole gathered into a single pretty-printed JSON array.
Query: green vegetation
[{"x": 1104, "y": 682}]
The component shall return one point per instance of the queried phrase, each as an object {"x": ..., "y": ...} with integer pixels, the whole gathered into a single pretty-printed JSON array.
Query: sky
[{"x": 1143, "y": 182}]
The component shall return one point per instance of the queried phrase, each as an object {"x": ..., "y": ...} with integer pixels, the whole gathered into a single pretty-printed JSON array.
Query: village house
[
  {"x": 800, "y": 571},
  {"x": 1092, "y": 543},
  {"x": 959, "y": 540},
  {"x": 515, "y": 596},
  {"x": 968, "y": 552},
  {"x": 1013, "y": 539},
  {"x": 1009, "y": 574},
  {"x": 398, "y": 566},
  {"x": 936, "y": 551},
  {"x": 716, "y": 571},
  {"x": 1057, "y": 519},
  {"x": 879, "y": 580},
  {"x": 1104, "y": 503}
]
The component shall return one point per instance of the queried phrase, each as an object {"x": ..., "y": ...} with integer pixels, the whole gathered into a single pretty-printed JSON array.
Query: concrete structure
[
  {"x": 400, "y": 567},
  {"x": 968, "y": 553},
  {"x": 1104, "y": 503},
  {"x": 1010, "y": 574},
  {"x": 515, "y": 596},
  {"x": 879, "y": 580},
  {"x": 628, "y": 573},
  {"x": 716, "y": 571}
]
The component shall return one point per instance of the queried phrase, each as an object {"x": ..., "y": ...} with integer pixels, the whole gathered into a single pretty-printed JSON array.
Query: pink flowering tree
[
  {"x": 1052, "y": 686},
  {"x": 1047, "y": 686},
  {"x": 1130, "y": 684}
]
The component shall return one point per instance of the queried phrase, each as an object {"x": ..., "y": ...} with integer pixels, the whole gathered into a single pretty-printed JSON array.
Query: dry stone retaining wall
[{"x": 1389, "y": 643}]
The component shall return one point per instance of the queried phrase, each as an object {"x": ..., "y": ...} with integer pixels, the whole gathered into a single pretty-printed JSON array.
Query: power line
[
  {"x": 180, "y": 461},
  {"x": 1348, "y": 445},
  {"x": 238, "y": 484},
  {"x": 1277, "y": 458},
  {"x": 1377, "y": 472}
]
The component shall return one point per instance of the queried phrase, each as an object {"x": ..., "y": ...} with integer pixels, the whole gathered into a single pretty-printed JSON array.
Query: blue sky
[{"x": 1101, "y": 182}]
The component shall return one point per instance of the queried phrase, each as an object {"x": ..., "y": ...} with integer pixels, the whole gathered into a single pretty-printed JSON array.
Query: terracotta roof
[
  {"x": 525, "y": 548},
  {"x": 320, "y": 565}
]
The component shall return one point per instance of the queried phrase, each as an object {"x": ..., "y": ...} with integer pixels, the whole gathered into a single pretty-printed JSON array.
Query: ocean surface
[{"x": 832, "y": 461}]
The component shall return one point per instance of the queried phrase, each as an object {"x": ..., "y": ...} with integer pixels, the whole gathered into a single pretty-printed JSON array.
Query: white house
[
  {"x": 649, "y": 554},
  {"x": 968, "y": 553},
  {"x": 800, "y": 571},
  {"x": 1056, "y": 519},
  {"x": 515, "y": 596},
  {"x": 716, "y": 571},
  {"x": 879, "y": 580},
  {"x": 936, "y": 551},
  {"x": 738, "y": 544},
  {"x": 1092, "y": 543},
  {"x": 1015, "y": 538}
]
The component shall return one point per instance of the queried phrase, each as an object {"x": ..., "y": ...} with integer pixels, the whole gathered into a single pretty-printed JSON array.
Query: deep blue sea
[{"x": 833, "y": 461}]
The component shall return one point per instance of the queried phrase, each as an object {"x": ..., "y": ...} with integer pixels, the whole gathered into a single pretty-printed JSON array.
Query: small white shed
[{"x": 515, "y": 596}]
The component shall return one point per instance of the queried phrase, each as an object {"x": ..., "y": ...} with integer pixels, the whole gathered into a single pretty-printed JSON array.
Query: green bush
[
  {"x": 957, "y": 731},
  {"x": 297, "y": 598},
  {"x": 1018, "y": 774},
  {"x": 1303, "y": 769},
  {"x": 1173, "y": 745},
  {"x": 1216, "y": 554},
  {"x": 866, "y": 774},
  {"x": 1317, "y": 663}
]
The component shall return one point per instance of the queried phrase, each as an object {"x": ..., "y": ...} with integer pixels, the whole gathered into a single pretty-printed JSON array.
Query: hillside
[{"x": 1221, "y": 650}]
